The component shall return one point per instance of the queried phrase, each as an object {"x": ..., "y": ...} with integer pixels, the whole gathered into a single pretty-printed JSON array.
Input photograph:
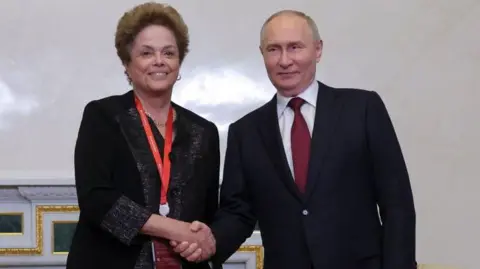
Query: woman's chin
[{"x": 159, "y": 87}]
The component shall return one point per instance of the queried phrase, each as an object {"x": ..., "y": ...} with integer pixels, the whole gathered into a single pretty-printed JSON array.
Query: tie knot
[{"x": 295, "y": 103}]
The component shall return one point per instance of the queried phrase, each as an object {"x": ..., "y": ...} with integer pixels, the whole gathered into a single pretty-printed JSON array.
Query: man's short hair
[{"x": 311, "y": 23}]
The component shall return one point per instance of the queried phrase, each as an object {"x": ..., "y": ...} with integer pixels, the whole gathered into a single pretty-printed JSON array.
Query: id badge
[{"x": 164, "y": 209}]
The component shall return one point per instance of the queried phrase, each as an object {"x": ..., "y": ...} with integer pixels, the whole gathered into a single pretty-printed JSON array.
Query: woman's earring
[
  {"x": 128, "y": 78},
  {"x": 179, "y": 77}
]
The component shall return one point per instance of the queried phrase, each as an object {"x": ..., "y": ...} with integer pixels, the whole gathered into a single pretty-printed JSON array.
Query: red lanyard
[{"x": 163, "y": 167}]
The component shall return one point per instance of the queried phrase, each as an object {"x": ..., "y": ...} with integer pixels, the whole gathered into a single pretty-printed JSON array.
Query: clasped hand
[{"x": 197, "y": 242}]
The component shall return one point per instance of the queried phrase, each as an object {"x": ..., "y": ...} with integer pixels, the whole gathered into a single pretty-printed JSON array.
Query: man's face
[{"x": 290, "y": 53}]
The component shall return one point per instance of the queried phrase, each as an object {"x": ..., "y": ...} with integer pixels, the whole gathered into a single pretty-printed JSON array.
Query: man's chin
[
  {"x": 288, "y": 90},
  {"x": 288, "y": 83}
]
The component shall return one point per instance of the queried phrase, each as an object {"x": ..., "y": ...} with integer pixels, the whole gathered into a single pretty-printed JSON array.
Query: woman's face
[{"x": 155, "y": 62}]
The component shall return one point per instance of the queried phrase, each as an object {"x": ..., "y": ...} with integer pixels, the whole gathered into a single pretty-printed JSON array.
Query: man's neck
[{"x": 294, "y": 92}]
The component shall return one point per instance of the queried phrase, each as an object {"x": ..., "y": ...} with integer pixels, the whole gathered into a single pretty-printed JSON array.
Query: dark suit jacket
[
  {"x": 118, "y": 185},
  {"x": 356, "y": 164}
]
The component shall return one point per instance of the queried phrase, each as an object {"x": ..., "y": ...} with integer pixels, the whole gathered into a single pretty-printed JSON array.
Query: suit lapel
[
  {"x": 270, "y": 132},
  {"x": 326, "y": 117}
]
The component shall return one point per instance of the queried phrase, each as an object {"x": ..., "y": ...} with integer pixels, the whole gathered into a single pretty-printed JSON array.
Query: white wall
[{"x": 421, "y": 56}]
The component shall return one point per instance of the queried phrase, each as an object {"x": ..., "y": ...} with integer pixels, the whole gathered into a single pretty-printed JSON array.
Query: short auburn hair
[{"x": 150, "y": 13}]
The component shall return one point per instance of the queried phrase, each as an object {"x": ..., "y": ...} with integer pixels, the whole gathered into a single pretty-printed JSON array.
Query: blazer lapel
[
  {"x": 326, "y": 117},
  {"x": 270, "y": 132},
  {"x": 130, "y": 124},
  {"x": 185, "y": 149}
]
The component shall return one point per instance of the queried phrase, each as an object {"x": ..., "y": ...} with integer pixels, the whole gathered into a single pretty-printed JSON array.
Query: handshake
[{"x": 193, "y": 241}]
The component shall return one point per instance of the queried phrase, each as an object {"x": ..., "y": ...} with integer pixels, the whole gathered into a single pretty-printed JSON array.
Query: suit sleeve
[
  {"x": 234, "y": 221},
  {"x": 213, "y": 174},
  {"x": 393, "y": 190},
  {"x": 99, "y": 201}
]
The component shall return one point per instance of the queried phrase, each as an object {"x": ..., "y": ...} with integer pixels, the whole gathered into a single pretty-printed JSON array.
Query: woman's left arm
[
  {"x": 212, "y": 177},
  {"x": 213, "y": 173}
]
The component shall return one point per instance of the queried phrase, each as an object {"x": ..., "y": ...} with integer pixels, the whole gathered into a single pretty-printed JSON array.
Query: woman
[{"x": 144, "y": 166}]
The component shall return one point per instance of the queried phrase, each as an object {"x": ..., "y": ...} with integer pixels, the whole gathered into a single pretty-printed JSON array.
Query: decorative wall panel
[{"x": 38, "y": 223}]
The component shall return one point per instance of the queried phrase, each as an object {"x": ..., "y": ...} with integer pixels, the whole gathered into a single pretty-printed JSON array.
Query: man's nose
[{"x": 285, "y": 60}]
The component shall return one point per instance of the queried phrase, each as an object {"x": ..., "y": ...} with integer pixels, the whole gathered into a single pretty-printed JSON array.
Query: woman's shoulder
[
  {"x": 192, "y": 117},
  {"x": 110, "y": 105},
  {"x": 105, "y": 110},
  {"x": 113, "y": 102}
]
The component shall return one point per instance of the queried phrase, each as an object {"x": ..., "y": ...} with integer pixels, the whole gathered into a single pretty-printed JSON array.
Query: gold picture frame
[
  {"x": 40, "y": 210},
  {"x": 258, "y": 250}
]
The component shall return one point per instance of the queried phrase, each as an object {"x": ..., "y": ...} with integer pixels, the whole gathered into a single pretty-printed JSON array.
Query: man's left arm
[{"x": 393, "y": 189}]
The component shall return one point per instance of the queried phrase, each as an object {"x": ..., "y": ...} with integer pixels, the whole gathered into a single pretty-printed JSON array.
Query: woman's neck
[{"x": 156, "y": 104}]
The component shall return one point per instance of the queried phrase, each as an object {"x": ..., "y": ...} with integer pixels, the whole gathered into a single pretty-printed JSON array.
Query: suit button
[{"x": 305, "y": 212}]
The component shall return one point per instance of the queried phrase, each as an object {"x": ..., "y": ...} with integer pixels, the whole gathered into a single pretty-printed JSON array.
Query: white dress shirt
[{"x": 286, "y": 116}]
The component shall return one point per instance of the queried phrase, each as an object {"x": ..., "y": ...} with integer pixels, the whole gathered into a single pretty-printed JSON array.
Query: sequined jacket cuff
[{"x": 125, "y": 219}]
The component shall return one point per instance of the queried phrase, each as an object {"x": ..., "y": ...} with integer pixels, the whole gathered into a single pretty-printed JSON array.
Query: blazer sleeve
[
  {"x": 393, "y": 190},
  {"x": 235, "y": 220},
  {"x": 213, "y": 174},
  {"x": 99, "y": 201}
]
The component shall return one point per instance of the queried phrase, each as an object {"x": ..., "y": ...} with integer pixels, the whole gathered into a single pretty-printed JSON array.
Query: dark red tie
[
  {"x": 300, "y": 144},
  {"x": 165, "y": 257}
]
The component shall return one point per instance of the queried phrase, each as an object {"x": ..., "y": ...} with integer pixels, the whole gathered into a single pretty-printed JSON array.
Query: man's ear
[{"x": 318, "y": 49}]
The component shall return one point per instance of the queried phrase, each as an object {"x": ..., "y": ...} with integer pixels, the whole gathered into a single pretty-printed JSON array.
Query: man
[{"x": 312, "y": 165}]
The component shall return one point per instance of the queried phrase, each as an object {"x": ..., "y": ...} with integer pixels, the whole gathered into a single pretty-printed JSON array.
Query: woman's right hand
[
  {"x": 200, "y": 238},
  {"x": 196, "y": 252},
  {"x": 179, "y": 231},
  {"x": 171, "y": 229}
]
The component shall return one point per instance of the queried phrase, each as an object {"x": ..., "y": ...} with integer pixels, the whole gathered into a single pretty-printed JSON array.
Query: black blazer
[
  {"x": 118, "y": 185},
  {"x": 356, "y": 164}
]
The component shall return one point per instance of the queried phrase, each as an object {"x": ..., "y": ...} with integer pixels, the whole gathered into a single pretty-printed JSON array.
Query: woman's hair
[{"x": 144, "y": 15}]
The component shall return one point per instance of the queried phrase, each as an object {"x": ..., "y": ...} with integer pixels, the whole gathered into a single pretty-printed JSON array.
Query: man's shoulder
[
  {"x": 351, "y": 96},
  {"x": 263, "y": 112},
  {"x": 252, "y": 117},
  {"x": 349, "y": 92}
]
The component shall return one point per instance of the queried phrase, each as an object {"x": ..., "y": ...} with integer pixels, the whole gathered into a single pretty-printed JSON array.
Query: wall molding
[
  {"x": 10, "y": 194},
  {"x": 37, "y": 193},
  {"x": 48, "y": 193}
]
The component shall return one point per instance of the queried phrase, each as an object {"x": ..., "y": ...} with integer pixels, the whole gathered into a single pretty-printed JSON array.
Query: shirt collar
[{"x": 309, "y": 95}]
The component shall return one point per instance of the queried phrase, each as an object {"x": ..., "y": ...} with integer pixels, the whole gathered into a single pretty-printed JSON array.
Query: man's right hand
[
  {"x": 197, "y": 241},
  {"x": 199, "y": 250}
]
